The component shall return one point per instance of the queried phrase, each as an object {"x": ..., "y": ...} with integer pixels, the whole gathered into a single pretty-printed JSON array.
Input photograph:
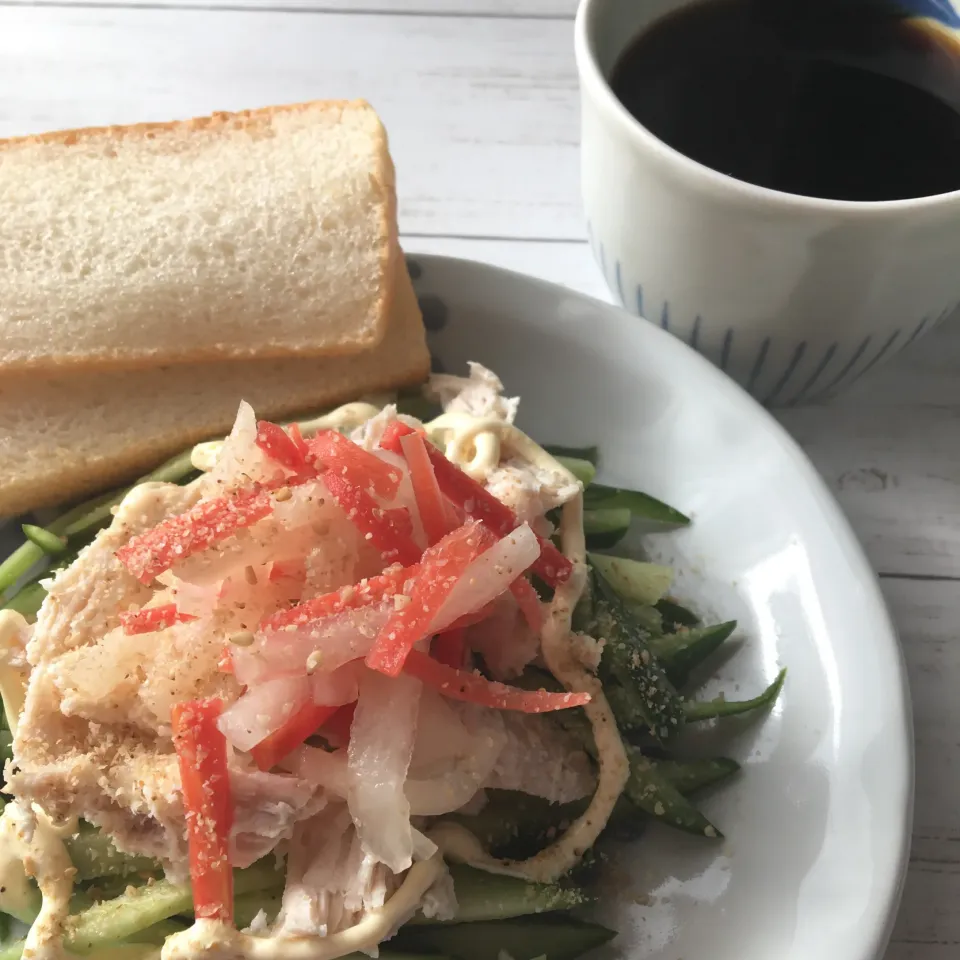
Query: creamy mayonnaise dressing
[
  {"x": 17, "y": 897},
  {"x": 476, "y": 444},
  {"x": 350, "y": 415},
  {"x": 211, "y": 938},
  {"x": 554, "y": 861}
]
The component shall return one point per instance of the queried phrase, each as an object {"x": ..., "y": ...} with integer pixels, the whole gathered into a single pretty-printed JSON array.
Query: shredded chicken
[
  {"x": 541, "y": 759},
  {"x": 530, "y": 490},
  {"x": 94, "y": 736},
  {"x": 479, "y": 395}
]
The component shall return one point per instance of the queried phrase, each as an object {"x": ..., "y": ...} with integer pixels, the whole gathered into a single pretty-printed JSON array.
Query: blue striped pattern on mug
[{"x": 811, "y": 371}]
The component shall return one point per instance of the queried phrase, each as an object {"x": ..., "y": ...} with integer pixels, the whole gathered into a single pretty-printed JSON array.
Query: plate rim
[{"x": 874, "y": 940}]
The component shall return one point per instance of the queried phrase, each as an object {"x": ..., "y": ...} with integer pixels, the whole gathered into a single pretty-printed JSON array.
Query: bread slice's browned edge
[
  {"x": 401, "y": 359},
  {"x": 248, "y": 120}
]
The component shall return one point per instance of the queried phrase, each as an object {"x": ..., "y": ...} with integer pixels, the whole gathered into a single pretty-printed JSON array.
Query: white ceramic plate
[{"x": 817, "y": 825}]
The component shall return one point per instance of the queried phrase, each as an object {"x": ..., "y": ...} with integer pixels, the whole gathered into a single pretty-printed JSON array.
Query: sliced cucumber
[
  {"x": 682, "y": 652},
  {"x": 636, "y": 683},
  {"x": 676, "y": 615},
  {"x": 689, "y": 776},
  {"x": 640, "y": 505},
  {"x": 583, "y": 470},
  {"x": 605, "y": 528},
  {"x": 527, "y": 939},
  {"x": 633, "y": 580},
  {"x": 94, "y": 855},
  {"x": 654, "y": 793},
  {"x": 590, "y": 454},
  {"x": 488, "y": 896},
  {"x": 697, "y": 710},
  {"x": 159, "y": 932},
  {"x": 245, "y": 908}
]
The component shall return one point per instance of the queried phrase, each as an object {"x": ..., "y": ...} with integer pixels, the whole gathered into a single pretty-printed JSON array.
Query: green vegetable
[
  {"x": 127, "y": 951},
  {"x": 633, "y": 580},
  {"x": 488, "y": 896},
  {"x": 27, "y": 601},
  {"x": 557, "y": 939},
  {"x": 417, "y": 406},
  {"x": 605, "y": 528},
  {"x": 646, "y": 617},
  {"x": 245, "y": 908},
  {"x": 19, "y": 564},
  {"x": 657, "y": 796},
  {"x": 73, "y": 529},
  {"x": 689, "y": 776},
  {"x": 682, "y": 652},
  {"x": 640, "y": 505},
  {"x": 47, "y": 541},
  {"x": 160, "y": 931},
  {"x": 636, "y": 683},
  {"x": 674, "y": 615},
  {"x": 141, "y": 907},
  {"x": 6, "y": 745},
  {"x": 94, "y": 855},
  {"x": 515, "y": 824},
  {"x": 108, "y": 951},
  {"x": 590, "y": 454},
  {"x": 697, "y": 710},
  {"x": 583, "y": 470},
  {"x": 87, "y": 518}
]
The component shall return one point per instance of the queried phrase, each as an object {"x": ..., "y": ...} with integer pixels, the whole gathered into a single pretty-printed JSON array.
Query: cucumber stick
[
  {"x": 94, "y": 855},
  {"x": 633, "y": 580},
  {"x": 697, "y": 710},
  {"x": 488, "y": 896},
  {"x": 682, "y": 652},
  {"x": 557, "y": 939}
]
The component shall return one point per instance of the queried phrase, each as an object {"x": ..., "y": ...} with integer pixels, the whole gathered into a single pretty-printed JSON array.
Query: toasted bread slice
[
  {"x": 76, "y": 433},
  {"x": 265, "y": 233}
]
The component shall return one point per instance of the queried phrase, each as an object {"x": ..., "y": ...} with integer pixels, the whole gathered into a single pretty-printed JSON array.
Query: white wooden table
[{"x": 480, "y": 98}]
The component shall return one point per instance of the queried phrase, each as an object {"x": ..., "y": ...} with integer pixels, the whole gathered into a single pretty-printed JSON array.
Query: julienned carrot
[
  {"x": 208, "y": 806},
  {"x": 282, "y": 742},
  {"x": 149, "y": 554},
  {"x": 151, "y": 619},
  {"x": 277, "y": 444},
  {"x": 364, "y": 593},
  {"x": 430, "y": 504},
  {"x": 441, "y": 566},
  {"x": 478, "y": 503},
  {"x": 331, "y": 451},
  {"x": 380, "y": 527},
  {"x": 474, "y": 688}
]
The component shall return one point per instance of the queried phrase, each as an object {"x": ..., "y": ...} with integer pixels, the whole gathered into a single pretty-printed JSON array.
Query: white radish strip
[
  {"x": 191, "y": 599},
  {"x": 489, "y": 575},
  {"x": 404, "y": 496},
  {"x": 441, "y": 736},
  {"x": 381, "y": 744},
  {"x": 284, "y": 651},
  {"x": 322, "y": 768},
  {"x": 458, "y": 786},
  {"x": 293, "y": 528},
  {"x": 262, "y": 710},
  {"x": 338, "y": 687}
]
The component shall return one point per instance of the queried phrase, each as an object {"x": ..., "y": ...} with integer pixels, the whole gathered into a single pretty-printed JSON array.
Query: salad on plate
[{"x": 366, "y": 682}]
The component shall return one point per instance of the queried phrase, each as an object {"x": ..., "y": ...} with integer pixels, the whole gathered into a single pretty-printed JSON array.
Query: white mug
[{"x": 794, "y": 297}]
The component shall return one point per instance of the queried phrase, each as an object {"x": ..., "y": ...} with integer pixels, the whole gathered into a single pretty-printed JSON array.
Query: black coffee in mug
[{"x": 838, "y": 99}]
